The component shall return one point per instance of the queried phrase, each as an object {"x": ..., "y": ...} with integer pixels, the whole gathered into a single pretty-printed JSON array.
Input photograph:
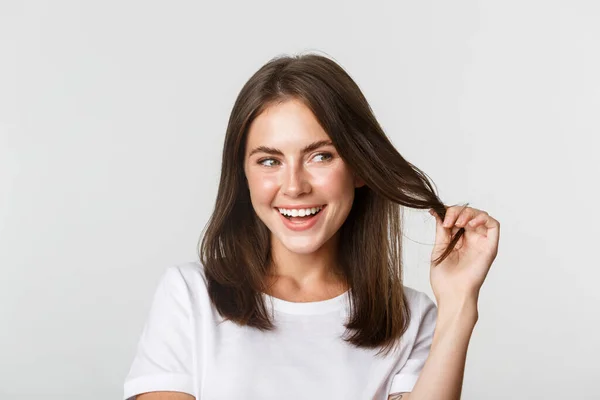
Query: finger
[
  {"x": 493, "y": 229},
  {"x": 466, "y": 216},
  {"x": 481, "y": 224},
  {"x": 477, "y": 224},
  {"x": 435, "y": 216},
  {"x": 478, "y": 219},
  {"x": 459, "y": 216},
  {"x": 442, "y": 235},
  {"x": 481, "y": 230},
  {"x": 451, "y": 215}
]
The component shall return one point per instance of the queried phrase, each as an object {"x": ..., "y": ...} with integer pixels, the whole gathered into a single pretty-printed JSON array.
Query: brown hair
[{"x": 235, "y": 248}]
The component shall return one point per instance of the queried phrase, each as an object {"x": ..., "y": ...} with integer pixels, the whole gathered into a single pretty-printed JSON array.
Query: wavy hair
[{"x": 235, "y": 247}]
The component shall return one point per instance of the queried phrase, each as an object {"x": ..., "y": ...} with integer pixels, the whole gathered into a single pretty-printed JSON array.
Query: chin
[
  {"x": 302, "y": 246},
  {"x": 303, "y": 249}
]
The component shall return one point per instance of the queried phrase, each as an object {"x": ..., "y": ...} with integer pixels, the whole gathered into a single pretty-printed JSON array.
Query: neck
[{"x": 305, "y": 270}]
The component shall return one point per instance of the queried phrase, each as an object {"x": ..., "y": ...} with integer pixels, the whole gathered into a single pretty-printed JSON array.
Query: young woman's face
[{"x": 292, "y": 166}]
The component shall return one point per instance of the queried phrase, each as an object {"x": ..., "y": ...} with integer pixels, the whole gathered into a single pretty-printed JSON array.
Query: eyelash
[{"x": 262, "y": 160}]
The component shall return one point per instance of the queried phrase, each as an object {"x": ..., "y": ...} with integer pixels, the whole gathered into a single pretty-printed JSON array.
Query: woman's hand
[{"x": 458, "y": 278}]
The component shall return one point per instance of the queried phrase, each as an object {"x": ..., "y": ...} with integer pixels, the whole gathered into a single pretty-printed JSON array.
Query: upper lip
[{"x": 300, "y": 206}]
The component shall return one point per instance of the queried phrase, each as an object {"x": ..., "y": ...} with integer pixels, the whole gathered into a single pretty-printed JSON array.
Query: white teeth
[{"x": 302, "y": 212}]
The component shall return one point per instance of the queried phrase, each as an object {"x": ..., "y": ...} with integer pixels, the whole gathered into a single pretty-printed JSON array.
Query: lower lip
[{"x": 304, "y": 225}]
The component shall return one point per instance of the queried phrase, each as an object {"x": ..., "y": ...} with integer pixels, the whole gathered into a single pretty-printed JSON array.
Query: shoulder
[
  {"x": 420, "y": 304},
  {"x": 186, "y": 280},
  {"x": 191, "y": 272}
]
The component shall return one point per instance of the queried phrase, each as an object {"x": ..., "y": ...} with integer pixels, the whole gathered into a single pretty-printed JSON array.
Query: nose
[{"x": 295, "y": 181}]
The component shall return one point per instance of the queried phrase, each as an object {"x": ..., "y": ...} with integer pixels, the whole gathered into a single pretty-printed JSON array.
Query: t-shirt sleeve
[
  {"x": 164, "y": 360},
  {"x": 406, "y": 378}
]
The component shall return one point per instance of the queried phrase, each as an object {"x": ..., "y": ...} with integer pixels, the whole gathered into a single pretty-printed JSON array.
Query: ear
[{"x": 358, "y": 182}]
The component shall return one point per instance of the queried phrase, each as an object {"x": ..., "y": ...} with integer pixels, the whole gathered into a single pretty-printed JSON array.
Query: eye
[
  {"x": 327, "y": 156},
  {"x": 264, "y": 160}
]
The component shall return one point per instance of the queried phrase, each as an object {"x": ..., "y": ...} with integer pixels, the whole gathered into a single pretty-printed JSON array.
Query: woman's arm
[
  {"x": 456, "y": 282},
  {"x": 442, "y": 374}
]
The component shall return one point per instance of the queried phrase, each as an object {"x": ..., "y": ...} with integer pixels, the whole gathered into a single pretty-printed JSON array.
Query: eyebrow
[{"x": 306, "y": 149}]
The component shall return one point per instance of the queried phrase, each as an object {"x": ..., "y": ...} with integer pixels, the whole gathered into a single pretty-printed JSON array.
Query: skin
[
  {"x": 303, "y": 261},
  {"x": 462, "y": 274}
]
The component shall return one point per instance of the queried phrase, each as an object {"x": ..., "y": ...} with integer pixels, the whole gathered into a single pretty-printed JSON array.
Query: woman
[{"x": 298, "y": 293}]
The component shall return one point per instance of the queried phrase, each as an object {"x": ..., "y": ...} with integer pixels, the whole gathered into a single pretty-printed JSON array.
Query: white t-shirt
[{"x": 186, "y": 346}]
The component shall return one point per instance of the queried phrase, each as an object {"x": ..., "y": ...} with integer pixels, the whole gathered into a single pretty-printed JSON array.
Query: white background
[{"x": 112, "y": 119}]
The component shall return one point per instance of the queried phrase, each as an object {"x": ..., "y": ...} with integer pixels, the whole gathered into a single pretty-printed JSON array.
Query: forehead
[{"x": 289, "y": 123}]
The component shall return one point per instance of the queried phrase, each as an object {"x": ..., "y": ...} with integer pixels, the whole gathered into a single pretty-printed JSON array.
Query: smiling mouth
[{"x": 299, "y": 218}]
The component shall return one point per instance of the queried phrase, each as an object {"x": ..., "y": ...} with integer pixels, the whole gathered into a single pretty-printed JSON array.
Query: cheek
[
  {"x": 335, "y": 181},
  {"x": 262, "y": 188}
]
